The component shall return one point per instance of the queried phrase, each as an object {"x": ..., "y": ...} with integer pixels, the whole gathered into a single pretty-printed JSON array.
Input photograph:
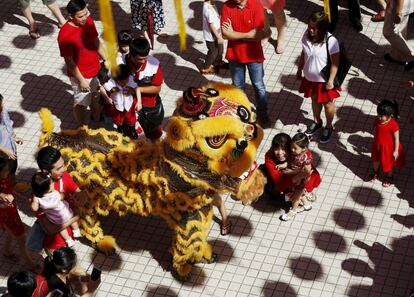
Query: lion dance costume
[{"x": 211, "y": 140}]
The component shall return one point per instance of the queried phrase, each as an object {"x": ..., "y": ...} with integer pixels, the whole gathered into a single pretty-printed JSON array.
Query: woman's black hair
[
  {"x": 75, "y": 5},
  {"x": 47, "y": 157},
  {"x": 41, "y": 183},
  {"x": 388, "y": 108},
  {"x": 62, "y": 260},
  {"x": 320, "y": 19},
  {"x": 21, "y": 284},
  {"x": 124, "y": 72},
  {"x": 281, "y": 140},
  {"x": 3, "y": 163},
  {"x": 124, "y": 37},
  {"x": 301, "y": 140},
  {"x": 139, "y": 47}
]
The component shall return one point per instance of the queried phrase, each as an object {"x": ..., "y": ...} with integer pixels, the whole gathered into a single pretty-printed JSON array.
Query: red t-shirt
[
  {"x": 149, "y": 74},
  {"x": 41, "y": 287},
  {"x": 67, "y": 185},
  {"x": 244, "y": 20},
  {"x": 80, "y": 43}
]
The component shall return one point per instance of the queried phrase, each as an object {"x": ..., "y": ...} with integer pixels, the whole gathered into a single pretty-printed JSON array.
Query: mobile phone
[
  {"x": 96, "y": 274},
  {"x": 56, "y": 293}
]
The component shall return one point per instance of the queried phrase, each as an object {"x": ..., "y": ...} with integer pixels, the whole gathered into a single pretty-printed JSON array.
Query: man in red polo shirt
[
  {"x": 80, "y": 47},
  {"x": 148, "y": 76},
  {"x": 244, "y": 25}
]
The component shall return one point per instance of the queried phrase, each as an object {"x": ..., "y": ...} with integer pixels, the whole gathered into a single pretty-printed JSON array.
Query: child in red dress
[
  {"x": 10, "y": 220},
  {"x": 387, "y": 150},
  {"x": 301, "y": 168}
]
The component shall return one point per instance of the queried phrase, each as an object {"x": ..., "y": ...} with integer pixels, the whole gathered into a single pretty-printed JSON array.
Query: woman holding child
[
  {"x": 50, "y": 161},
  {"x": 287, "y": 177}
]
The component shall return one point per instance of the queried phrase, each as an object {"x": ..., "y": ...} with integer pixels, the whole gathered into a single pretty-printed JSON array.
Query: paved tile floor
[{"x": 358, "y": 239}]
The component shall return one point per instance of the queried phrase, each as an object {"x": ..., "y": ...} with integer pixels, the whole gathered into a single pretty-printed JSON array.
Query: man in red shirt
[
  {"x": 244, "y": 25},
  {"x": 148, "y": 75},
  {"x": 81, "y": 48}
]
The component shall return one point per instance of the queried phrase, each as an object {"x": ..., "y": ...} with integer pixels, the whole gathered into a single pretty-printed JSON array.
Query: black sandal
[{"x": 225, "y": 229}]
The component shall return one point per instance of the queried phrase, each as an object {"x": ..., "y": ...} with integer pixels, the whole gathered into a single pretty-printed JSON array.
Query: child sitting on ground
[
  {"x": 52, "y": 202},
  {"x": 120, "y": 90},
  {"x": 300, "y": 165},
  {"x": 10, "y": 220}
]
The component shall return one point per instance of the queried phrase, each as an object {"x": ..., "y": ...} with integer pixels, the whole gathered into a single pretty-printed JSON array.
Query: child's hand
[
  {"x": 114, "y": 90},
  {"x": 395, "y": 154},
  {"x": 281, "y": 166},
  {"x": 138, "y": 106},
  {"x": 129, "y": 91}
]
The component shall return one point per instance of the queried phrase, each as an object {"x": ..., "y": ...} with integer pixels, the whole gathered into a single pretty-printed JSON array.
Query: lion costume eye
[
  {"x": 216, "y": 142},
  {"x": 243, "y": 113}
]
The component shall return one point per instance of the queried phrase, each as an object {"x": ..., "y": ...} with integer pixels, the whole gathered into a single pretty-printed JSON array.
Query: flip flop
[
  {"x": 34, "y": 34},
  {"x": 377, "y": 18},
  {"x": 225, "y": 229}
]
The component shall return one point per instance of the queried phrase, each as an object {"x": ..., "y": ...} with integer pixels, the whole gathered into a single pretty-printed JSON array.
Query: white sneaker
[{"x": 76, "y": 233}]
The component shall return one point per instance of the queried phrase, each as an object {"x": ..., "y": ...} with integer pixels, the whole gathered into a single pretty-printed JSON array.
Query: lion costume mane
[{"x": 211, "y": 141}]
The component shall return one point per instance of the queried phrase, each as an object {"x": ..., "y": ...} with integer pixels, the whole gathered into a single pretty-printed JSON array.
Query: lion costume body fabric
[{"x": 211, "y": 140}]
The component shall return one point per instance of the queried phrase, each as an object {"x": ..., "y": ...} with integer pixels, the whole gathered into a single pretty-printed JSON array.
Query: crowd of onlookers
[{"x": 129, "y": 101}]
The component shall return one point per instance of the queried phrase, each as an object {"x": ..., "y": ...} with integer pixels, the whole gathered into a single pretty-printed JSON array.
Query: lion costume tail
[{"x": 47, "y": 125}]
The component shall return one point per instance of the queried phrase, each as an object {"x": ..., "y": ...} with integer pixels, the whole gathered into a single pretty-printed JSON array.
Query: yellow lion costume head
[{"x": 209, "y": 149}]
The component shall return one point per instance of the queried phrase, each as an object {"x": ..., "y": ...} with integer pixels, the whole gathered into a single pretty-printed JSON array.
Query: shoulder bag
[{"x": 343, "y": 68}]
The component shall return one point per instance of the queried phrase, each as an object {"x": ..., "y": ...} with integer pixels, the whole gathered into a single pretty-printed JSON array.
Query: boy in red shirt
[
  {"x": 148, "y": 75},
  {"x": 81, "y": 48},
  {"x": 244, "y": 25}
]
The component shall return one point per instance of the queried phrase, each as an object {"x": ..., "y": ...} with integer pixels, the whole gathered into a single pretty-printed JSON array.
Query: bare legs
[
  {"x": 54, "y": 8},
  {"x": 280, "y": 21},
  {"x": 225, "y": 225},
  {"x": 329, "y": 112}
]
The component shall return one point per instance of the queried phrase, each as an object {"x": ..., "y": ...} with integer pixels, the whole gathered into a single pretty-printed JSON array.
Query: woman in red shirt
[{"x": 275, "y": 162}]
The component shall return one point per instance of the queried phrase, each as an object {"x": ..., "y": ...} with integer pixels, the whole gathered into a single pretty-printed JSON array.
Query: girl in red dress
[
  {"x": 387, "y": 150},
  {"x": 10, "y": 220}
]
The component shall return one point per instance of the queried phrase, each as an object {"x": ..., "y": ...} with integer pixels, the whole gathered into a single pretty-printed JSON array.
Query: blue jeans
[{"x": 256, "y": 73}]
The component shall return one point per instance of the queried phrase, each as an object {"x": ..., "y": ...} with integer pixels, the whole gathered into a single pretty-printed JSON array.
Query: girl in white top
[
  {"x": 212, "y": 36},
  {"x": 53, "y": 204},
  {"x": 313, "y": 59}
]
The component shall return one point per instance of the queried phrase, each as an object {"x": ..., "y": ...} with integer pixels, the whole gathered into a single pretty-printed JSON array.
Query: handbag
[
  {"x": 151, "y": 117},
  {"x": 343, "y": 68}
]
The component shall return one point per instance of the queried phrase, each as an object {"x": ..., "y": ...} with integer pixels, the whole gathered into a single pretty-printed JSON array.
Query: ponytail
[{"x": 62, "y": 260}]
